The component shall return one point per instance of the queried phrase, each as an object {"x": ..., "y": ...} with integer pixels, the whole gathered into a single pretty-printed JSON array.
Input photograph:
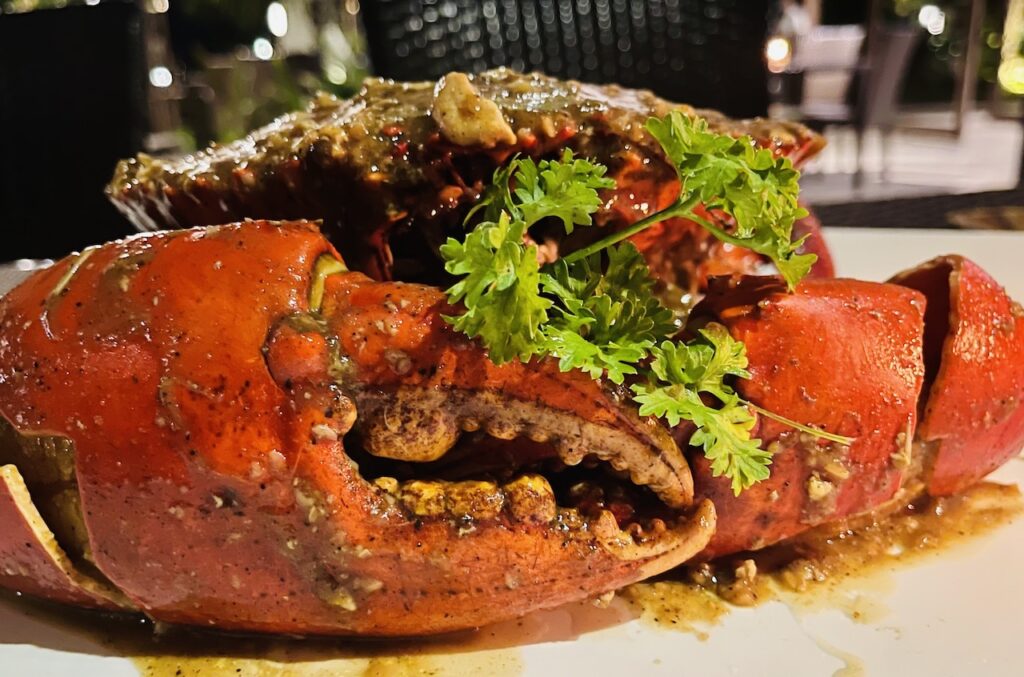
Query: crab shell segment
[
  {"x": 33, "y": 562},
  {"x": 925, "y": 373},
  {"x": 842, "y": 356},
  {"x": 393, "y": 170},
  {"x": 234, "y": 454},
  {"x": 974, "y": 352}
]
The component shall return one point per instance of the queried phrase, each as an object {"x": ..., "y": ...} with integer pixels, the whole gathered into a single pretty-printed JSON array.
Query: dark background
[
  {"x": 72, "y": 103},
  {"x": 75, "y": 95}
]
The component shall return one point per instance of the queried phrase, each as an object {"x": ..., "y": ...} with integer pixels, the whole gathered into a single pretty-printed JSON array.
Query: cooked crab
[{"x": 226, "y": 427}]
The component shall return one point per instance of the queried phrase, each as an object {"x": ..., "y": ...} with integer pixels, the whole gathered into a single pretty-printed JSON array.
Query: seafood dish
[{"x": 448, "y": 353}]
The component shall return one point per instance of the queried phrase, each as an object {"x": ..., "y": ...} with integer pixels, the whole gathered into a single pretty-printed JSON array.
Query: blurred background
[{"x": 921, "y": 102}]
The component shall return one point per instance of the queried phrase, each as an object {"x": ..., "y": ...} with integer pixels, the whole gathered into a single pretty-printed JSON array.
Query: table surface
[{"x": 935, "y": 617}]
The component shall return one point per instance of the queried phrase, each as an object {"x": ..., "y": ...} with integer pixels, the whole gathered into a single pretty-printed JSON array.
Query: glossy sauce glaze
[{"x": 159, "y": 650}]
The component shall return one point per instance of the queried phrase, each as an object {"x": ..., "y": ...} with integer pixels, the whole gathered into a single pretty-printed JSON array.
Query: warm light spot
[
  {"x": 1011, "y": 75},
  {"x": 932, "y": 19},
  {"x": 336, "y": 73},
  {"x": 1011, "y": 66},
  {"x": 160, "y": 76},
  {"x": 262, "y": 48},
  {"x": 778, "y": 54},
  {"x": 277, "y": 19}
]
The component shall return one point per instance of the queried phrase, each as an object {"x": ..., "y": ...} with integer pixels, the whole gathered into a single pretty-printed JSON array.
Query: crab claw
[
  {"x": 419, "y": 387},
  {"x": 841, "y": 356},
  {"x": 974, "y": 372},
  {"x": 255, "y": 440}
]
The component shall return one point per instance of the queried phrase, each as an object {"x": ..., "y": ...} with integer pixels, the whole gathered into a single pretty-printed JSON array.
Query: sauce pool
[{"x": 818, "y": 569}]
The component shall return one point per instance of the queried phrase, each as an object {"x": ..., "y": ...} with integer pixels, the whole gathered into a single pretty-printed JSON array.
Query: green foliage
[
  {"x": 682, "y": 377},
  {"x": 736, "y": 177},
  {"x": 565, "y": 189},
  {"x": 595, "y": 310},
  {"x": 500, "y": 289},
  {"x": 607, "y": 320}
]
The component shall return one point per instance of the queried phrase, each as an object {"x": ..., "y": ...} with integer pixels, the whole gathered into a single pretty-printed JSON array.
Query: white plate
[{"x": 954, "y": 614}]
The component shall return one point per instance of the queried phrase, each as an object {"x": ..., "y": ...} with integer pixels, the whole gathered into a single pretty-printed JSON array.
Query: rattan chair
[{"x": 704, "y": 52}]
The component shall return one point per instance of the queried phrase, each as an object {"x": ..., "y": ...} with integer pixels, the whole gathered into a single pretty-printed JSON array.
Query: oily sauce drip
[
  {"x": 287, "y": 664},
  {"x": 852, "y": 665},
  {"x": 493, "y": 651},
  {"x": 190, "y": 654},
  {"x": 158, "y": 650},
  {"x": 813, "y": 571}
]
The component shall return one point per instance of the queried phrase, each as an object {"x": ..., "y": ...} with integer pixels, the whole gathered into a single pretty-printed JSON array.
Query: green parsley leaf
[
  {"x": 528, "y": 191},
  {"x": 566, "y": 190},
  {"x": 682, "y": 375},
  {"x": 735, "y": 177},
  {"x": 598, "y": 359},
  {"x": 606, "y": 321},
  {"x": 500, "y": 289},
  {"x": 703, "y": 364},
  {"x": 724, "y": 433},
  {"x": 725, "y": 437}
]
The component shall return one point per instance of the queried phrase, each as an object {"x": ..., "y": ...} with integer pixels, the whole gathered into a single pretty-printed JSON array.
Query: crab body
[
  {"x": 200, "y": 410},
  {"x": 393, "y": 171},
  {"x": 205, "y": 426},
  {"x": 237, "y": 426}
]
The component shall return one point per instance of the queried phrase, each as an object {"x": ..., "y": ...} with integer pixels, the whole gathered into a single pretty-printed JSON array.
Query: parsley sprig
[
  {"x": 732, "y": 177},
  {"x": 594, "y": 310},
  {"x": 501, "y": 282},
  {"x": 607, "y": 318},
  {"x": 682, "y": 376},
  {"x": 500, "y": 288}
]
